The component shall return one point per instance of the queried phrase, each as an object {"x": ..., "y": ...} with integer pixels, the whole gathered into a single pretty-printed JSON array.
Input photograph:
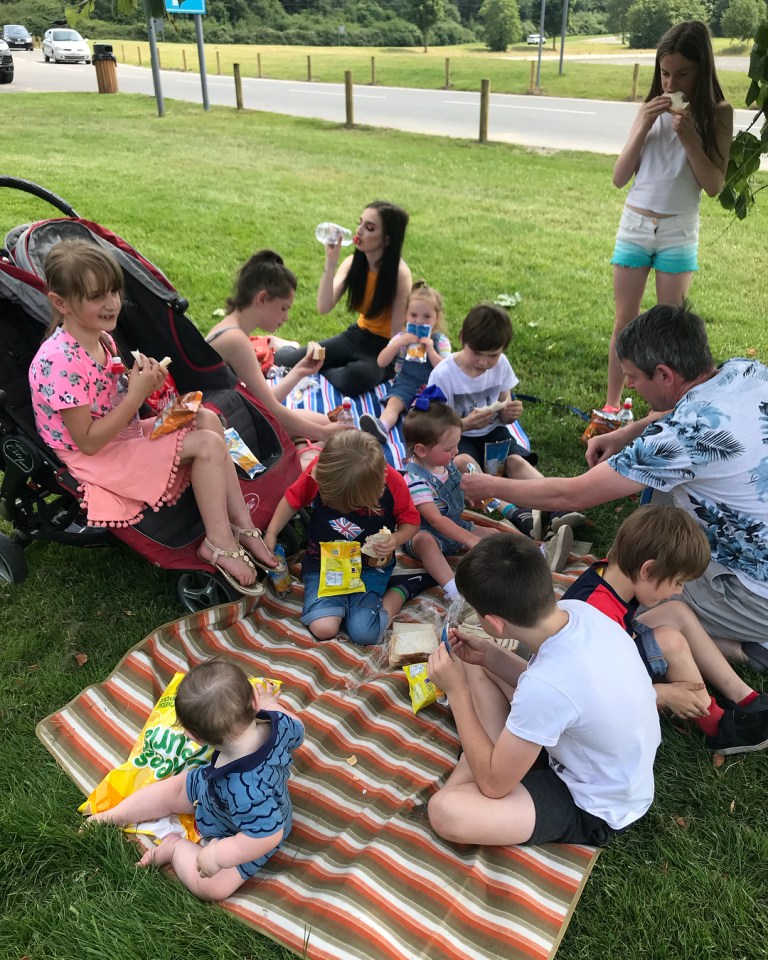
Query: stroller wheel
[
  {"x": 198, "y": 590},
  {"x": 13, "y": 563}
]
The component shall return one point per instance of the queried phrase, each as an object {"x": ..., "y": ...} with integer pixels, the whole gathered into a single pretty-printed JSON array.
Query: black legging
[{"x": 350, "y": 360}]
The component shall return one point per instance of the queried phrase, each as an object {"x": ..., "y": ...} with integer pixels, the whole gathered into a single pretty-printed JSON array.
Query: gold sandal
[
  {"x": 256, "y": 534},
  {"x": 254, "y": 589}
]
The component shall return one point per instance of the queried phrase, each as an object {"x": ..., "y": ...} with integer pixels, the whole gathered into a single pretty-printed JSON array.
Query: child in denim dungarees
[
  {"x": 415, "y": 358},
  {"x": 432, "y": 432}
]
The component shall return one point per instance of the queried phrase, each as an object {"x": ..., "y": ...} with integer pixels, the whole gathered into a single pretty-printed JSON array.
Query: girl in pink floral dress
[{"x": 74, "y": 388}]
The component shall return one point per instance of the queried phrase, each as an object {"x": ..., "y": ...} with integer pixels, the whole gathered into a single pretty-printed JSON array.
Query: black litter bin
[{"x": 106, "y": 67}]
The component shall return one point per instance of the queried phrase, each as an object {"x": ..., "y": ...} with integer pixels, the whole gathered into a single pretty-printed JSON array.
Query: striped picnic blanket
[
  {"x": 362, "y": 875},
  {"x": 326, "y": 397}
]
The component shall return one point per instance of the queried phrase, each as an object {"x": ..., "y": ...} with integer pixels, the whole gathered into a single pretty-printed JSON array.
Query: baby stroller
[{"x": 37, "y": 494}]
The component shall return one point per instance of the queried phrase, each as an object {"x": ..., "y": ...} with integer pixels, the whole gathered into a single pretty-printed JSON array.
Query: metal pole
[
  {"x": 563, "y": 28},
  {"x": 155, "y": 67},
  {"x": 541, "y": 41},
  {"x": 201, "y": 58}
]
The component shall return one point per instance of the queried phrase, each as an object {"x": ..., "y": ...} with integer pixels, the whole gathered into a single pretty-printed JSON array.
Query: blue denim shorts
[
  {"x": 362, "y": 615},
  {"x": 668, "y": 244},
  {"x": 649, "y": 650}
]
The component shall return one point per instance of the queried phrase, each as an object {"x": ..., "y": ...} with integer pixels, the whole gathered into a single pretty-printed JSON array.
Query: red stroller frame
[{"x": 152, "y": 320}]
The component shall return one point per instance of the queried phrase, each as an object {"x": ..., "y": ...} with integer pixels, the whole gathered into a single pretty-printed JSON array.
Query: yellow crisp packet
[
  {"x": 422, "y": 690},
  {"x": 162, "y": 750},
  {"x": 341, "y": 566}
]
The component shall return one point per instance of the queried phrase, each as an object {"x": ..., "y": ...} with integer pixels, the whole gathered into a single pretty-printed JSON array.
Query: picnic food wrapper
[
  {"x": 422, "y": 690},
  {"x": 600, "y": 423},
  {"x": 241, "y": 454},
  {"x": 417, "y": 351},
  {"x": 162, "y": 750},
  {"x": 341, "y": 565},
  {"x": 177, "y": 413},
  {"x": 495, "y": 457}
]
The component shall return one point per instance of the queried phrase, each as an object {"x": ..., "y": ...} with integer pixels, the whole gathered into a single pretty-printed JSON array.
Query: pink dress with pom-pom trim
[{"x": 126, "y": 476}]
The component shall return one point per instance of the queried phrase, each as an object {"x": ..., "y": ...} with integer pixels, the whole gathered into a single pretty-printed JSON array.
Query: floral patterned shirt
[
  {"x": 63, "y": 375},
  {"x": 711, "y": 455}
]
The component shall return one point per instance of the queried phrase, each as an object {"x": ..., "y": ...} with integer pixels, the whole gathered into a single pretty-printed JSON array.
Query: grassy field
[
  {"x": 197, "y": 193},
  {"x": 411, "y": 67}
]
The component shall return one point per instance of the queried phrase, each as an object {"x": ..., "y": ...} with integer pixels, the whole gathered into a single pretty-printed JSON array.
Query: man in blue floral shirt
[{"x": 706, "y": 445}]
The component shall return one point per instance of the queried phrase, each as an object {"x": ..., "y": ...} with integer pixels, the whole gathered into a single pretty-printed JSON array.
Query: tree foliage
[
  {"x": 501, "y": 23},
  {"x": 747, "y": 149},
  {"x": 741, "y": 18},
  {"x": 648, "y": 20},
  {"x": 425, "y": 14}
]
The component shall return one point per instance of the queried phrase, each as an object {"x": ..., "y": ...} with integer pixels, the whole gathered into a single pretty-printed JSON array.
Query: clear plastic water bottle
[
  {"x": 346, "y": 415},
  {"x": 132, "y": 430},
  {"x": 625, "y": 415},
  {"x": 330, "y": 232}
]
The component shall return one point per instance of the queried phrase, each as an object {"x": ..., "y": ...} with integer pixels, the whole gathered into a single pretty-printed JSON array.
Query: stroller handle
[{"x": 16, "y": 183}]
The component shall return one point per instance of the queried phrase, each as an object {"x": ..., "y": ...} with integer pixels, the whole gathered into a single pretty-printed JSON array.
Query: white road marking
[
  {"x": 331, "y": 93},
  {"x": 510, "y": 106}
]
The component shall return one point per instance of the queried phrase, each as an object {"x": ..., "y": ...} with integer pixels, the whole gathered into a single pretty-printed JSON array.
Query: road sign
[{"x": 185, "y": 6}]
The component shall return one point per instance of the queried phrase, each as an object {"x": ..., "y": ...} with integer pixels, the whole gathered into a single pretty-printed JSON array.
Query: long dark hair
[
  {"x": 394, "y": 220},
  {"x": 691, "y": 40},
  {"x": 265, "y": 270}
]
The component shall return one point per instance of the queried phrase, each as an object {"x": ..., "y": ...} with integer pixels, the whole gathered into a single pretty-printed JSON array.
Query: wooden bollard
[
  {"x": 258, "y": 65},
  {"x": 447, "y": 73},
  {"x": 184, "y": 59},
  {"x": 122, "y": 47},
  {"x": 373, "y": 71},
  {"x": 138, "y": 50},
  {"x": 218, "y": 63},
  {"x": 238, "y": 86},
  {"x": 309, "y": 69},
  {"x": 348, "y": 98},
  {"x": 635, "y": 78},
  {"x": 485, "y": 96},
  {"x": 532, "y": 81}
]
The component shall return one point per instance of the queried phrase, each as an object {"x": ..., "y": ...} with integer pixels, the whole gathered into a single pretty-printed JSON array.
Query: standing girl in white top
[{"x": 674, "y": 151}]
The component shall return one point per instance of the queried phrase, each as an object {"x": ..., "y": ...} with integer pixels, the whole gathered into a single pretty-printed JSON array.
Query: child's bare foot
[{"x": 160, "y": 855}]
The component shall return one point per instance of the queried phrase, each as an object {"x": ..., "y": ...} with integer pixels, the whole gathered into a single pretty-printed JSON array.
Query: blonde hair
[
  {"x": 351, "y": 472},
  {"x": 80, "y": 270},
  {"x": 669, "y": 537},
  {"x": 215, "y": 701},
  {"x": 421, "y": 290}
]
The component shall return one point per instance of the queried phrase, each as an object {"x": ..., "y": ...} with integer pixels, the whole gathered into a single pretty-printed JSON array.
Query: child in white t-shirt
[{"x": 584, "y": 705}]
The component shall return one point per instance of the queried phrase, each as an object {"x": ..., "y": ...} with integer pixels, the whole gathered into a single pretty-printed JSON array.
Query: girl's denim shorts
[{"x": 669, "y": 244}]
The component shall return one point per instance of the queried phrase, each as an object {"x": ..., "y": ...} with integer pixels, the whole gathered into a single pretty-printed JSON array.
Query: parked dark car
[
  {"x": 6, "y": 63},
  {"x": 17, "y": 36}
]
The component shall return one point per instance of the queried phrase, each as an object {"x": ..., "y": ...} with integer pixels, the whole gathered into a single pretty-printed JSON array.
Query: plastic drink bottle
[
  {"x": 330, "y": 233},
  {"x": 280, "y": 576},
  {"x": 625, "y": 415},
  {"x": 346, "y": 415},
  {"x": 132, "y": 430}
]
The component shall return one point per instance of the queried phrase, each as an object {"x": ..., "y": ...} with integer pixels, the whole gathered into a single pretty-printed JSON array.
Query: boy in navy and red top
[
  {"x": 353, "y": 494},
  {"x": 656, "y": 551}
]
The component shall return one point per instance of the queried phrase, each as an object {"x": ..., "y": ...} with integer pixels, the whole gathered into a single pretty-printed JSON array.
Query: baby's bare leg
[
  {"x": 391, "y": 412},
  {"x": 182, "y": 855},
  {"x": 150, "y": 803},
  {"x": 428, "y": 551}
]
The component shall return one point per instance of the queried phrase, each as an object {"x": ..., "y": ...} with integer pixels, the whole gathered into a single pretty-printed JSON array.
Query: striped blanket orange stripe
[{"x": 362, "y": 875}]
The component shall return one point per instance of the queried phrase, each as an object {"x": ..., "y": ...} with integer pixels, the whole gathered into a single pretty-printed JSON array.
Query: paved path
[{"x": 544, "y": 122}]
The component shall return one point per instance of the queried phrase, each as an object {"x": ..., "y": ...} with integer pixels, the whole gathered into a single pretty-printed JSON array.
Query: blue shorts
[
  {"x": 649, "y": 650},
  {"x": 362, "y": 615},
  {"x": 668, "y": 244},
  {"x": 448, "y": 547}
]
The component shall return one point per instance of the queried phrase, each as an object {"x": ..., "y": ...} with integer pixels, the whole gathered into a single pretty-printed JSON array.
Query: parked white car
[
  {"x": 536, "y": 38},
  {"x": 65, "y": 46}
]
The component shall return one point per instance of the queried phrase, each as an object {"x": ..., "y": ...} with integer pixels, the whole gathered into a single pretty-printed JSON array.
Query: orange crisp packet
[{"x": 177, "y": 413}]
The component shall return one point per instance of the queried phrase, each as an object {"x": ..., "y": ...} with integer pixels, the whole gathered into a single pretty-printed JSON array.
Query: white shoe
[{"x": 558, "y": 548}]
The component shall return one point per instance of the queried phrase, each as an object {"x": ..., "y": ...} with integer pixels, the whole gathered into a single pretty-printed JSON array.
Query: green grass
[
  {"x": 411, "y": 67},
  {"x": 197, "y": 193}
]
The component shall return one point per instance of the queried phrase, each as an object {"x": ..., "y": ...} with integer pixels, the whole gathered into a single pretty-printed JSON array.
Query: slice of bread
[
  {"x": 493, "y": 407},
  {"x": 367, "y": 548},
  {"x": 315, "y": 351},
  {"x": 678, "y": 101},
  {"x": 411, "y": 643}
]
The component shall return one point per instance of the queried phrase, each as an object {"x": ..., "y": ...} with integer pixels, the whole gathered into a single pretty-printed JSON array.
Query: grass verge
[{"x": 197, "y": 193}]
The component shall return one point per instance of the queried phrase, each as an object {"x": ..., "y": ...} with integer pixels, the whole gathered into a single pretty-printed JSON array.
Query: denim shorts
[
  {"x": 362, "y": 615},
  {"x": 448, "y": 547},
  {"x": 649, "y": 650},
  {"x": 669, "y": 244}
]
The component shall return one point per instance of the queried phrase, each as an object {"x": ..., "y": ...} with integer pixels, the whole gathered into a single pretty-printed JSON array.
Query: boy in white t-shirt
[
  {"x": 583, "y": 704},
  {"x": 477, "y": 377}
]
